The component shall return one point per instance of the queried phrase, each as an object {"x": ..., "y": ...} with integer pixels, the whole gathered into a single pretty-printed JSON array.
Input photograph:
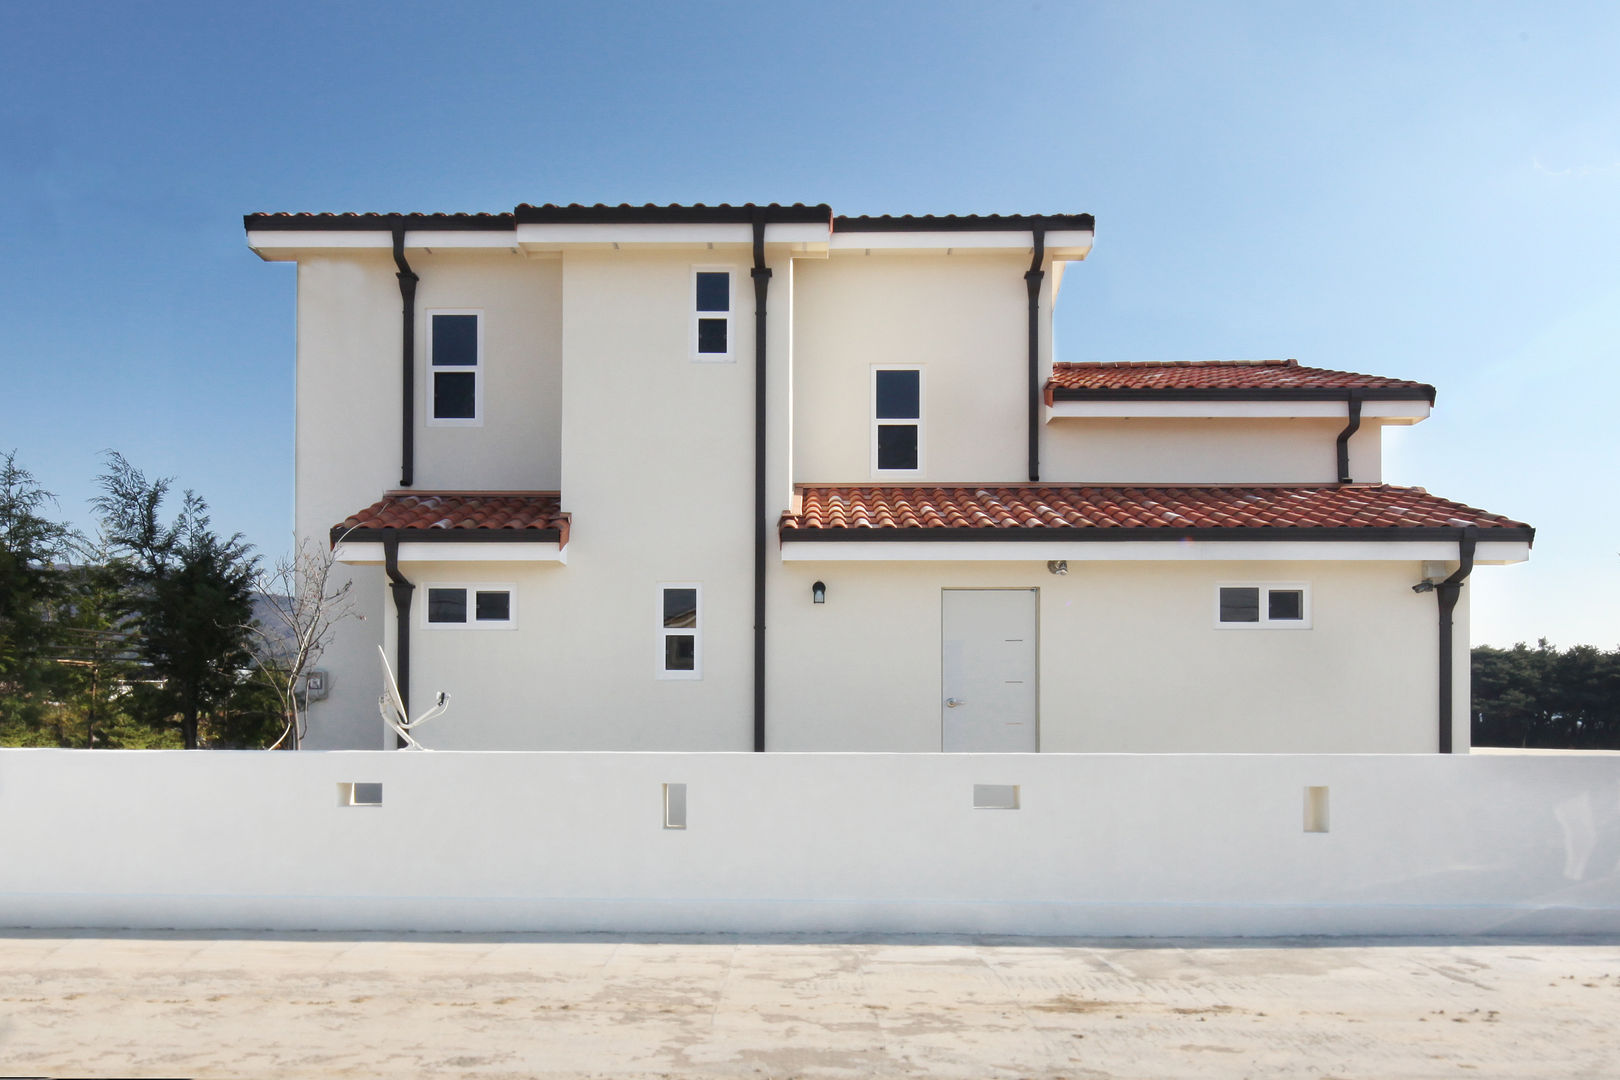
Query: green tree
[
  {"x": 1544, "y": 697},
  {"x": 30, "y": 544},
  {"x": 190, "y": 597}
]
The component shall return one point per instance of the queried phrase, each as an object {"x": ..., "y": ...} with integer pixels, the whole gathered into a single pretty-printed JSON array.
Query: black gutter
[
  {"x": 1304, "y": 393},
  {"x": 1353, "y": 398},
  {"x": 402, "y": 589},
  {"x": 964, "y": 223},
  {"x": 1032, "y": 282},
  {"x": 1447, "y": 592},
  {"x": 1050, "y": 534},
  {"x": 407, "y": 297},
  {"x": 447, "y": 536},
  {"x": 762, "y": 287}
]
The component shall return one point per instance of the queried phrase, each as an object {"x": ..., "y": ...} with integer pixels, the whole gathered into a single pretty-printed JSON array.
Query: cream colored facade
[{"x": 589, "y": 386}]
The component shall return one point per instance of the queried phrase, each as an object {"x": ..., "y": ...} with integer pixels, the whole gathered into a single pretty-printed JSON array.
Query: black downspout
[
  {"x": 1032, "y": 280},
  {"x": 1447, "y": 592},
  {"x": 762, "y": 287},
  {"x": 1353, "y": 398},
  {"x": 402, "y": 589},
  {"x": 407, "y": 296}
]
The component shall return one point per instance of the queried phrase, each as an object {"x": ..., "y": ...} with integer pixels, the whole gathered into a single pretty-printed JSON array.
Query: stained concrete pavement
[{"x": 491, "y": 1006}]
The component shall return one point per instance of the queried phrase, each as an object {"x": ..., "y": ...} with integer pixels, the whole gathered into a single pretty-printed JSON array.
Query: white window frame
[
  {"x": 477, "y": 419},
  {"x": 872, "y": 416},
  {"x": 472, "y": 588},
  {"x": 730, "y": 355},
  {"x": 1266, "y": 621},
  {"x": 665, "y": 632}
]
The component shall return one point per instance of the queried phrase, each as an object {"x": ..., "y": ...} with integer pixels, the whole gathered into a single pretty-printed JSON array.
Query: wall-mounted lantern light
[
  {"x": 818, "y": 593},
  {"x": 1058, "y": 567}
]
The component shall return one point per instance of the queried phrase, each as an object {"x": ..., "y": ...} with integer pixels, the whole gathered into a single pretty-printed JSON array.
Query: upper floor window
[
  {"x": 455, "y": 349},
  {"x": 711, "y": 313},
  {"x": 1263, "y": 606},
  {"x": 897, "y": 443},
  {"x": 680, "y": 626}
]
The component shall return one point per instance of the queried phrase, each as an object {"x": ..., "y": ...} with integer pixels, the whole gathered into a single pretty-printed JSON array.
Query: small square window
[
  {"x": 455, "y": 340},
  {"x": 1285, "y": 604},
  {"x": 712, "y": 336},
  {"x": 494, "y": 606},
  {"x": 897, "y": 446},
  {"x": 899, "y": 394},
  {"x": 447, "y": 605},
  {"x": 1262, "y": 606},
  {"x": 455, "y": 395},
  {"x": 1240, "y": 604},
  {"x": 713, "y": 290}
]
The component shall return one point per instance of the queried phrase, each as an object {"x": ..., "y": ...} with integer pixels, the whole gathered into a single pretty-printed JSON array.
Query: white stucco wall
[
  {"x": 1130, "y": 659},
  {"x": 1212, "y": 451},
  {"x": 1101, "y": 844},
  {"x": 962, "y": 318},
  {"x": 348, "y": 436},
  {"x": 658, "y": 472}
]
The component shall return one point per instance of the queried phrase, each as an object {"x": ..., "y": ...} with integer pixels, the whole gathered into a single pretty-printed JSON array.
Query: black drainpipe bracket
[
  {"x": 1353, "y": 399},
  {"x": 1032, "y": 280},
  {"x": 407, "y": 296},
  {"x": 1447, "y": 593}
]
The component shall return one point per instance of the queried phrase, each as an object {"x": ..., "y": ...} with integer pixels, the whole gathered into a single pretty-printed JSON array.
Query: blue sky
[{"x": 1423, "y": 191}]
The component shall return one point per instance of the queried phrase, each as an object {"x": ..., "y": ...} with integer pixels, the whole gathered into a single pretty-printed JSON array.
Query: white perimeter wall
[{"x": 1102, "y": 844}]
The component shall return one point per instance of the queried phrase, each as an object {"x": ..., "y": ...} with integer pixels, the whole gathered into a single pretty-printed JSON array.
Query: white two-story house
[{"x": 766, "y": 478}]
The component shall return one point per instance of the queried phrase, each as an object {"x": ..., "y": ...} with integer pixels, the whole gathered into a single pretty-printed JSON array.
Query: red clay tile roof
[
  {"x": 1080, "y": 381},
  {"x": 1040, "y": 512},
  {"x": 461, "y": 515}
]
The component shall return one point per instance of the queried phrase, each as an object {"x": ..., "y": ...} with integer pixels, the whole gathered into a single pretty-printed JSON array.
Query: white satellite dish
[{"x": 392, "y": 706}]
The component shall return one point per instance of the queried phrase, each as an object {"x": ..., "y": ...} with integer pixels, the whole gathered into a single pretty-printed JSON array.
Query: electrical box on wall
[{"x": 314, "y": 685}]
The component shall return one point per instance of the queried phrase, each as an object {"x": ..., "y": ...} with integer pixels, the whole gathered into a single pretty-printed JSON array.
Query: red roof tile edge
[
  {"x": 1217, "y": 512},
  {"x": 534, "y": 516}
]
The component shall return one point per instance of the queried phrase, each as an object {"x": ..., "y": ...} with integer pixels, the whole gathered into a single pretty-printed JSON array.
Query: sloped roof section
[
  {"x": 466, "y": 516},
  {"x": 1259, "y": 379},
  {"x": 1041, "y": 512},
  {"x": 671, "y": 213}
]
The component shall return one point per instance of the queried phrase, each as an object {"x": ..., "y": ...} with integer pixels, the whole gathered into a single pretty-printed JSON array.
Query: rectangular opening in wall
[
  {"x": 1316, "y": 809},
  {"x": 360, "y": 794},
  {"x": 995, "y": 796},
  {"x": 674, "y": 806}
]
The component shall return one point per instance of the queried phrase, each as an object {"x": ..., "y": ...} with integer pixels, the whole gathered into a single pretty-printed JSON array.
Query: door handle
[{"x": 951, "y": 702}]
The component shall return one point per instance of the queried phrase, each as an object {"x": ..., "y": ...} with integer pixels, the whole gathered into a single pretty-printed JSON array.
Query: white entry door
[{"x": 988, "y": 674}]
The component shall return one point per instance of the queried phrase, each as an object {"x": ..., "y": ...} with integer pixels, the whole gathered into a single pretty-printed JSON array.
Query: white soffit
[
  {"x": 1394, "y": 412},
  {"x": 1488, "y": 552},
  {"x": 273, "y": 244},
  {"x": 549, "y": 237},
  {"x": 368, "y": 552},
  {"x": 1066, "y": 245}
]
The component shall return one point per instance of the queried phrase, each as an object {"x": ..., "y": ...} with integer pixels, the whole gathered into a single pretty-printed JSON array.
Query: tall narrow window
[
  {"x": 711, "y": 314},
  {"x": 896, "y": 421},
  {"x": 455, "y": 349},
  {"x": 680, "y": 617}
]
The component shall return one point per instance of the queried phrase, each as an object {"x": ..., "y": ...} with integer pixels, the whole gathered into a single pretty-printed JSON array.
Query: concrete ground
[{"x": 290, "y": 1005}]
